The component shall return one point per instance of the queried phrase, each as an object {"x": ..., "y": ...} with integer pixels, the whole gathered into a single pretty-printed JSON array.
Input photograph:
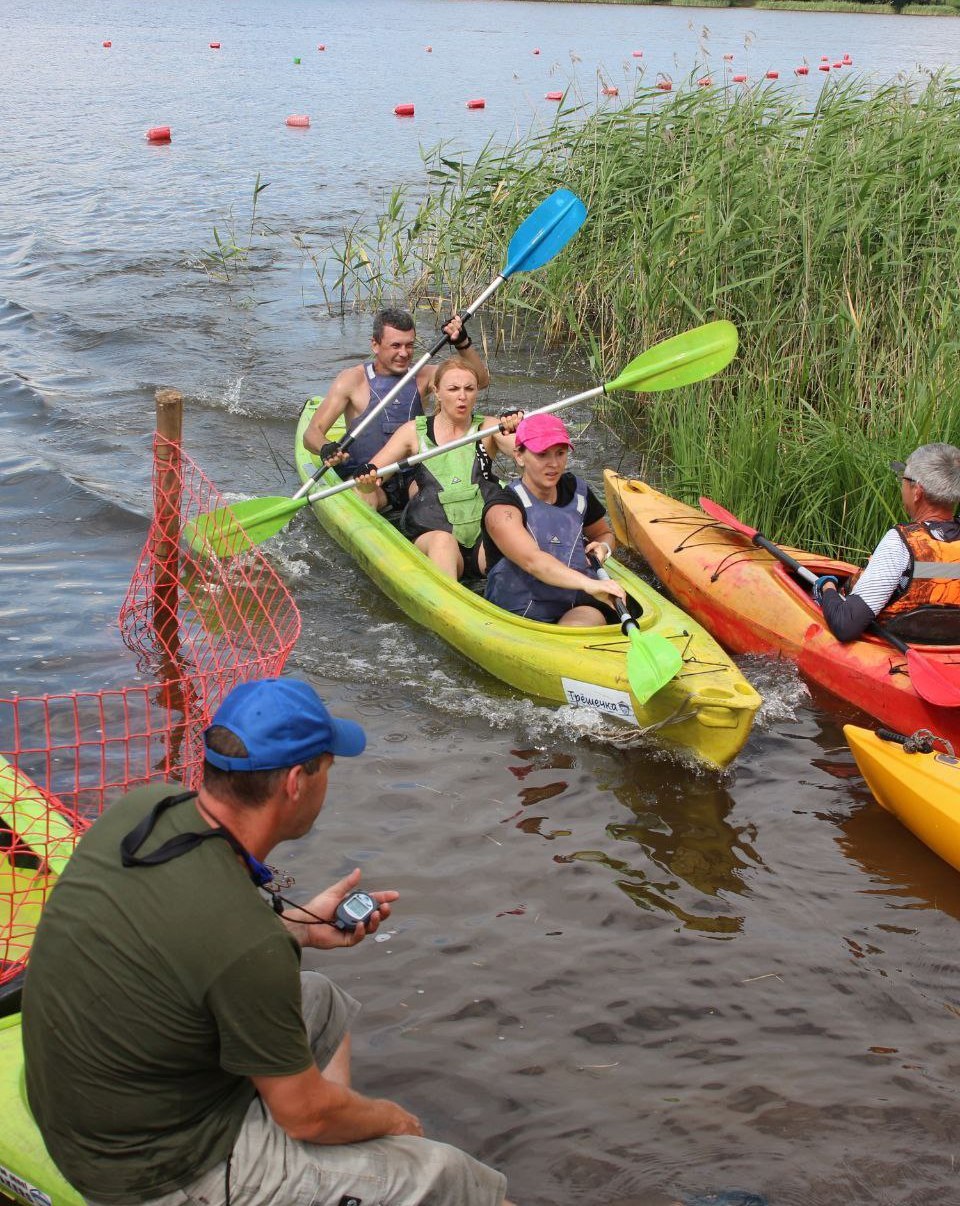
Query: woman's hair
[{"x": 448, "y": 366}]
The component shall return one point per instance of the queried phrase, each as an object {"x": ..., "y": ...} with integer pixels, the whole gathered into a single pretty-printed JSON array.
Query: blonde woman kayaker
[
  {"x": 443, "y": 516},
  {"x": 539, "y": 531}
]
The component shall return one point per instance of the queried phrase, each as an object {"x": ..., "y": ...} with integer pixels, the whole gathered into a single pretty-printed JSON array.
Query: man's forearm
[{"x": 350, "y": 1118}]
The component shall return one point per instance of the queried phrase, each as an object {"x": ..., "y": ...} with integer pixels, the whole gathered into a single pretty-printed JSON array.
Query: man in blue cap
[{"x": 174, "y": 1052}]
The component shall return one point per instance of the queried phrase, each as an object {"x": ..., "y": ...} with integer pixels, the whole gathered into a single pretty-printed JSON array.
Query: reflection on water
[
  {"x": 899, "y": 866},
  {"x": 678, "y": 853}
]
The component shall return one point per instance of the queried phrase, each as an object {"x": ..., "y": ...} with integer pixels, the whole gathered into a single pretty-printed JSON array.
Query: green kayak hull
[{"x": 706, "y": 711}]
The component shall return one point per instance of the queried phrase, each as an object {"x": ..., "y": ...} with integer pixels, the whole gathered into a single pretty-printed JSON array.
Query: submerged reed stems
[{"x": 830, "y": 236}]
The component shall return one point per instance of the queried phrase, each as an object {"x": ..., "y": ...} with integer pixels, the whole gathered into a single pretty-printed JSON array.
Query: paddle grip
[{"x": 626, "y": 619}]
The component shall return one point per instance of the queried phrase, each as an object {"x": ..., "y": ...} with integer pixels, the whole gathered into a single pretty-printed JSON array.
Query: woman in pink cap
[{"x": 540, "y": 531}]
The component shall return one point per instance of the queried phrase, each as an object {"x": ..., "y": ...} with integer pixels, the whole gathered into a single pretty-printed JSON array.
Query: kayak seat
[{"x": 932, "y": 625}]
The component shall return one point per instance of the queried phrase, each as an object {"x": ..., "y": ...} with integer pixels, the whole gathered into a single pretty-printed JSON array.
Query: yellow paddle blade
[
  {"x": 686, "y": 358},
  {"x": 651, "y": 663},
  {"x": 234, "y": 529}
]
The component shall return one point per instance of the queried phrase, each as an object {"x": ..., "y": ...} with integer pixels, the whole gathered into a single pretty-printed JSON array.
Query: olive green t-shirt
[{"x": 153, "y": 994}]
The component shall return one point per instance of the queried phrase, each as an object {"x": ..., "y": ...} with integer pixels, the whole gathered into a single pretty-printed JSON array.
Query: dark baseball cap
[{"x": 282, "y": 722}]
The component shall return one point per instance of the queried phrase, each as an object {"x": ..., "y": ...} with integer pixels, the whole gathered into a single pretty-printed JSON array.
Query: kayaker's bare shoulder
[{"x": 348, "y": 395}]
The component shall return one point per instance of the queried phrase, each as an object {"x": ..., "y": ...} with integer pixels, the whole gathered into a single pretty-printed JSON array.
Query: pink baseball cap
[{"x": 540, "y": 432}]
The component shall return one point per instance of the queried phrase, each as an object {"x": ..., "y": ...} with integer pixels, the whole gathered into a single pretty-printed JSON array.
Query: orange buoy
[
  {"x": 403, "y": 110},
  {"x": 554, "y": 96},
  {"x": 301, "y": 120},
  {"x": 739, "y": 79},
  {"x": 705, "y": 81},
  {"x": 728, "y": 58},
  {"x": 665, "y": 85},
  {"x": 321, "y": 46},
  {"x": 610, "y": 90},
  {"x": 214, "y": 45},
  {"x": 106, "y": 44},
  {"x": 638, "y": 54},
  {"x": 158, "y": 134},
  {"x": 773, "y": 75},
  {"x": 479, "y": 103},
  {"x": 801, "y": 71}
]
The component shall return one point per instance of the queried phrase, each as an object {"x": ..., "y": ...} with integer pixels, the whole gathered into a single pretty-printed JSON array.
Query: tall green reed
[{"x": 828, "y": 234}]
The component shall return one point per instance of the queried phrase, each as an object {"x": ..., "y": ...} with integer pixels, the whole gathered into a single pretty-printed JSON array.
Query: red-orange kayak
[{"x": 752, "y": 604}]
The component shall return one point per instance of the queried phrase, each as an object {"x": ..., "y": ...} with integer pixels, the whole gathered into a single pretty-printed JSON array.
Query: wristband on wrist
[
  {"x": 465, "y": 342},
  {"x": 603, "y": 544}
]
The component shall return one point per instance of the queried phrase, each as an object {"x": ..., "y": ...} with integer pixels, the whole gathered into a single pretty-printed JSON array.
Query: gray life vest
[
  {"x": 404, "y": 407},
  {"x": 558, "y": 531}
]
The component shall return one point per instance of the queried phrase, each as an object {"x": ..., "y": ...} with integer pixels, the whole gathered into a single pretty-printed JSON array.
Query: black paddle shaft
[{"x": 810, "y": 577}]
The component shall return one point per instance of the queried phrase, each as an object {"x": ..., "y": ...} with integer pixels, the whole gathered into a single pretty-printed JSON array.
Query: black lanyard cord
[{"x": 182, "y": 843}]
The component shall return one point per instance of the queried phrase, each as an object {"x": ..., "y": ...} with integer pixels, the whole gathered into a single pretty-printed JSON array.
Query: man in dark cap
[
  {"x": 912, "y": 581},
  {"x": 174, "y": 1052}
]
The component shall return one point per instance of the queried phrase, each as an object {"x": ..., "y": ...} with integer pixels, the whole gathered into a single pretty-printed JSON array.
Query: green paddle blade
[
  {"x": 546, "y": 231},
  {"x": 234, "y": 529},
  {"x": 651, "y": 663},
  {"x": 692, "y": 356}
]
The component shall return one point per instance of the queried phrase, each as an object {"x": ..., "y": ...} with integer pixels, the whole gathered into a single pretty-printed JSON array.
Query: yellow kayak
[
  {"x": 921, "y": 789},
  {"x": 38, "y": 841},
  {"x": 707, "y": 709}
]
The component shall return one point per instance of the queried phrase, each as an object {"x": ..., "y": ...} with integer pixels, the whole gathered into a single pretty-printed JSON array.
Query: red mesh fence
[{"x": 198, "y": 626}]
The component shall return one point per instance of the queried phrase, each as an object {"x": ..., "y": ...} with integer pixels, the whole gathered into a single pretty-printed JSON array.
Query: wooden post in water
[{"x": 166, "y": 506}]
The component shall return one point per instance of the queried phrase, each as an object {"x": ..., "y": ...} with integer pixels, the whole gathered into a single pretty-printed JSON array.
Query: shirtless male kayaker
[
  {"x": 912, "y": 580},
  {"x": 362, "y": 385}
]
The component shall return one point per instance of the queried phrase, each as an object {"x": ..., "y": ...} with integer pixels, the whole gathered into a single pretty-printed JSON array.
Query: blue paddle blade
[{"x": 548, "y": 230}]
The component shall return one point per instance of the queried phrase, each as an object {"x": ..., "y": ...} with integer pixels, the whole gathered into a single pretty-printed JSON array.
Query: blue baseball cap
[{"x": 282, "y": 722}]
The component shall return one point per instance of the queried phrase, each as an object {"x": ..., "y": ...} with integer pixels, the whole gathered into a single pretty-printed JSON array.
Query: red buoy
[
  {"x": 848, "y": 62},
  {"x": 403, "y": 110},
  {"x": 739, "y": 79},
  {"x": 428, "y": 49},
  {"x": 158, "y": 134},
  {"x": 665, "y": 85},
  {"x": 638, "y": 54},
  {"x": 479, "y": 103},
  {"x": 728, "y": 58},
  {"x": 536, "y": 52},
  {"x": 801, "y": 70},
  {"x": 824, "y": 59},
  {"x": 321, "y": 46},
  {"x": 610, "y": 90},
  {"x": 107, "y": 44},
  {"x": 301, "y": 120},
  {"x": 554, "y": 96},
  {"x": 773, "y": 75},
  {"x": 705, "y": 81},
  {"x": 214, "y": 45},
  {"x": 838, "y": 64},
  {"x": 824, "y": 66}
]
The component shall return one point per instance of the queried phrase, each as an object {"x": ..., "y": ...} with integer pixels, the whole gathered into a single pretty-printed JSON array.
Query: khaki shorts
[{"x": 268, "y": 1168}]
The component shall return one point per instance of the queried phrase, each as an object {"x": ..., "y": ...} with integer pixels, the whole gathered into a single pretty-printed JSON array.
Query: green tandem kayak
[{"x": 706, "y": 711}]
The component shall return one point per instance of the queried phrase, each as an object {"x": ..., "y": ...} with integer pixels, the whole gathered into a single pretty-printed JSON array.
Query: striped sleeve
[{"x": 890, "y": 561}]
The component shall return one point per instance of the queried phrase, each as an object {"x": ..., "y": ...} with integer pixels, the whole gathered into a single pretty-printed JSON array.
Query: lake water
[{"x": 614, "y": 978}]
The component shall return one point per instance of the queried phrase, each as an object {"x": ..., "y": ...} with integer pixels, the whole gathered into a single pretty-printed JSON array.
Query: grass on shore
[{"x": 830, "y": 237}]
